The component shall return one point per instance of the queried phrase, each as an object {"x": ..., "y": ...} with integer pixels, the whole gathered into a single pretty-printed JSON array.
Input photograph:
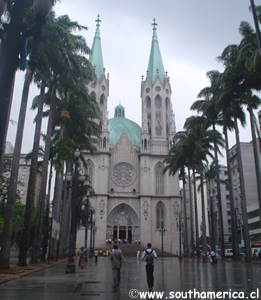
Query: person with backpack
[{"x": 149, "y": 254}]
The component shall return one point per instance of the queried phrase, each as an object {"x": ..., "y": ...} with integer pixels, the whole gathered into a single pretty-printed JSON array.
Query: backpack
[{"x": 149, "y": 257}]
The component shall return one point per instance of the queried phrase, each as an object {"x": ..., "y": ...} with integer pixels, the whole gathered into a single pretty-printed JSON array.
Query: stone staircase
[{"x": 129, "y": 250}]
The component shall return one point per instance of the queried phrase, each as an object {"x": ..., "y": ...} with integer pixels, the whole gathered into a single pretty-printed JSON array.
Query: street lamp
[
  {"x": 12, "y": 54},
  {"x": 70, "y": 268},
  {"x": 162, "y": 231},
  {"x": 86, "y": 209},
  {"x": 177, "y": 213}
]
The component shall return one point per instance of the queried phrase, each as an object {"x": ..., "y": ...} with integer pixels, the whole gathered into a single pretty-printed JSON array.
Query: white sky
[{"x": 192, "y": 33}]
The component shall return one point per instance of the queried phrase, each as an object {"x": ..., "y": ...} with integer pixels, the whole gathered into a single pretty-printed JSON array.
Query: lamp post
[
  {"x": 162, "y": 231},
  {"x": 70, "y": 268},
  {"x": 92, "y": 224},
  {"x": 85, "y": 208},
  {"x": 12, "y": 53}
]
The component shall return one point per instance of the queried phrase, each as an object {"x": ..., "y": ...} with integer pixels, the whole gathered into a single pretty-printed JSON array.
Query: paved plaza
[{"x": 95, "y": 280}]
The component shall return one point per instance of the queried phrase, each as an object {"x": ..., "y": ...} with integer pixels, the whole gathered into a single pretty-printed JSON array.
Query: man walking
[
  {"x": 149, "y": 254},
  {"x": 116, "y": 261}
]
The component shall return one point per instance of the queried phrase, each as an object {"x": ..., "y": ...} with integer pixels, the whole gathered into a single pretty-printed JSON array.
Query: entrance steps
[{"x": 129, "y": 250}]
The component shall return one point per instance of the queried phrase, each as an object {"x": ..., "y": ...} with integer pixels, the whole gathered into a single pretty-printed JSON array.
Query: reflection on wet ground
[{"x": 95, "y": 280}]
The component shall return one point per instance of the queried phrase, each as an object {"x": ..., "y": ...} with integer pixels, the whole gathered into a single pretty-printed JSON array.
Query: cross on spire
[
  {"x": 154, "y": 24},
  {"x": 98, "y": 21}
]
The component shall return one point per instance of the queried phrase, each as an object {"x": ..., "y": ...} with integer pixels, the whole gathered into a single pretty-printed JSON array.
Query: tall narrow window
[
  {"x": 102, "y": 99},
  {"x": 104, "y": 143},
  {"x": 160, "y": 215},
  {"x": 167, "y": 116},
  {"x": 90, "y": 170},
  {"x": 93, "y": 96},
  {"x": 148, "y": 107},
  {"x": 158, "y": 106},
  {"x": 159, "y": 177}
]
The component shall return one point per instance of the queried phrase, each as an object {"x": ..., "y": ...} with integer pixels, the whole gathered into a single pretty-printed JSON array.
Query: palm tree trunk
[
  {"x": 243, "y": 194},
  {"x": 211, "y": 219},
  {"x": 31, "y": 192},
  {"x": 57, "y": 203},
  {"x": 3, "y": 142},
  {"x": 191, "y": 214},
  {"x": 42, "y": 195},
  {"x": 231, "y": 198},
  {"x": 63, "y": 217},
  {"x": 203, "y": 212},
  {"x": 66, "y": 216},
  {"x": 256, "y": 157},
  {"x": 9, "y": 212},
  {"x": 46, "y": 228},
  {"x": 186, "y": 250},
  {"x": 196, "y": 212},
  {"x": 220, "y": 211}
]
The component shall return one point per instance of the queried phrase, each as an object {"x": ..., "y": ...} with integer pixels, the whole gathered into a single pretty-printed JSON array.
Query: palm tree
[
  {"x": 237, "y": 82},
  {"x": 176, "y": 161},
  {"x": 200, "y": 140},
  {"x": 210, "y": 175},
  {"x": 60, "y": 27},
  {"x": 32, "y": 181},
  {"x": 192, "y": 245},
  {"x": 208, "y": 108}
]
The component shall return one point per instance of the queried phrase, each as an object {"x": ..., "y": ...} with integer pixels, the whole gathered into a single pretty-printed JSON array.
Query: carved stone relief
[{"x": 145, "y": 209}]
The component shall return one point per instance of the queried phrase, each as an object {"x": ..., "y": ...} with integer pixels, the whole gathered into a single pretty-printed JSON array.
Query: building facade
[
  {"x": 248, "y": 162},
  {"x": 23, "y": 174},
  {"x": 134, "y": 199},
  {"x": 225, "y": 203}
]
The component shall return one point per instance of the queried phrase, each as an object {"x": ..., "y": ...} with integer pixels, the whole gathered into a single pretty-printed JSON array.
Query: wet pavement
[{"x": 95, "y": 280}]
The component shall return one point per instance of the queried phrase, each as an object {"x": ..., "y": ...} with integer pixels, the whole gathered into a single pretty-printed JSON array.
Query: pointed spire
[
  {"x": 96, "y": 52},
  {"x": 155, "y": 67}
]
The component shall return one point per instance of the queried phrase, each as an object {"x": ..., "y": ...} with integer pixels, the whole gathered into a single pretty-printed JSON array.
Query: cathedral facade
[{"x": 134, "y": 199}]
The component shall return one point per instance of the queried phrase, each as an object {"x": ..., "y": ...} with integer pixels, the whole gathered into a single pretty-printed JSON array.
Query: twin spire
[
  {"x": 96, "y": 52},
  {"x": 155, "y": 66}
]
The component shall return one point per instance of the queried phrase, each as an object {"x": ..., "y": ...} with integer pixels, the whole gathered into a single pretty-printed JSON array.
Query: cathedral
[{"x": 134, "y": 199}]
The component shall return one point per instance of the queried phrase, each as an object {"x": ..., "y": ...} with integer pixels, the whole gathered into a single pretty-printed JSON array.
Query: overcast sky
[{"x": 191, "y": 33}]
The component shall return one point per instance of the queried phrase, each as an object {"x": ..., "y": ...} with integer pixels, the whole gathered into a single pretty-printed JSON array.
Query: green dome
[{"x": 119, "y": 125}]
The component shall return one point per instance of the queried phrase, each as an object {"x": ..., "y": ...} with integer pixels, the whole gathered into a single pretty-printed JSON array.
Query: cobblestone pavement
[{"x": 95, "y": 280}]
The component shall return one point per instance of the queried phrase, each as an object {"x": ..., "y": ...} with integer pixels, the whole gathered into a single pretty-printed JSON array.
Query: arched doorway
[{"x": 123, "y": 224}]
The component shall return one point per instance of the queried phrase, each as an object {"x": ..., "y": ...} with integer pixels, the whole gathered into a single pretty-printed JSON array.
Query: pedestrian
[
  {"x": 116, "y": 258},
  {"x": 213, "y": 258},
  {"x": 149, "y": 254},
  {"x": 81, "y": 257},
  {"x": 96, "y": 253},
  {"x": 138, "y": 256},
  {"x": 259, "y": 254}
]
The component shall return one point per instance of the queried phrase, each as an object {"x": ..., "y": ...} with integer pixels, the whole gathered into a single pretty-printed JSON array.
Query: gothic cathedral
[{"x": 134, "y": 200}]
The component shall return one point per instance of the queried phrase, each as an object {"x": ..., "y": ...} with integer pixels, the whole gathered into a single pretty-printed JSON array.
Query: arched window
[
  {"x": 145, "y": 144},
  {"x": 160, "y": 211},
  {"x": 93, "y": 96},
  {"x": 102, "y": 99},
  {"x": 148, "y": 107},
  {"x": 104, "y": 143},
  {"x": 90, "y": 170},
  {"x": 167, "y": 115},
  {"x": 158, "y": 125},
  {"x": 159, "y": 177}
]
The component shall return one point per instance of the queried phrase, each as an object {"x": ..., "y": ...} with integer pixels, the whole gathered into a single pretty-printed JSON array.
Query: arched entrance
[{"x": 123, "y": 224}]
